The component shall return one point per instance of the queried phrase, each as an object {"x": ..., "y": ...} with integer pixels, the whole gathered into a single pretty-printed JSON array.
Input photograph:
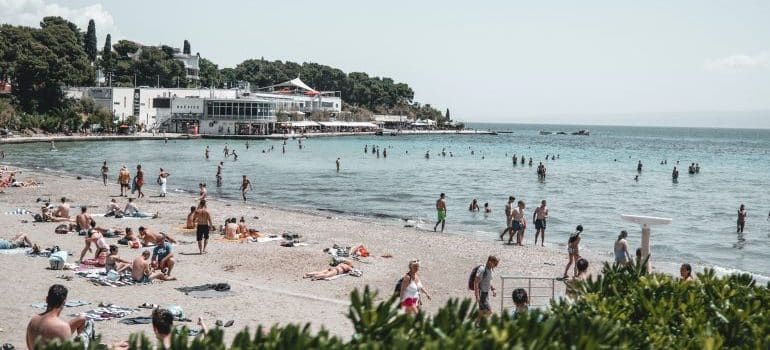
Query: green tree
[
  {"x": 186, "y": 47},
  {"x": 446, "y": 116},
  {"x": 125, "y": 47},
  {"x": 90, "y": 41},
  {"x": 209, "y": 74},
  {"x": 107, "y": 59}
]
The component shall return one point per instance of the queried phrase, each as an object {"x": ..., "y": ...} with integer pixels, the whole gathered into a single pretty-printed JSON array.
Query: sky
[{"x": 670, "y": 63}]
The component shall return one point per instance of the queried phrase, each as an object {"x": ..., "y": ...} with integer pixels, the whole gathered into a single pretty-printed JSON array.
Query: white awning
[
  {"x": 301, "y": 124},
  {"x": 349, "y": 124},
  {"x": 296, "y": 82}
]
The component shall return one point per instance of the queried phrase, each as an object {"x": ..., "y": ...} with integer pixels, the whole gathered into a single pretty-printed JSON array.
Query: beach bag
[
  {"x": 62, "y": 229},
  {"x": 397, "y": 290},
  {"x": 57, "y": 260},
  {"x": 472, "y": 277}
]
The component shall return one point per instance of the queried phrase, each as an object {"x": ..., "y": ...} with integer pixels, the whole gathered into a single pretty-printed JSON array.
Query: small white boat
[{"x": 543, "y": 132}]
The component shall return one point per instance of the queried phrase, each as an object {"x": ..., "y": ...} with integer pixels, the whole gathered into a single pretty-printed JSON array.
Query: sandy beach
[{"x": 266, "y": 278}]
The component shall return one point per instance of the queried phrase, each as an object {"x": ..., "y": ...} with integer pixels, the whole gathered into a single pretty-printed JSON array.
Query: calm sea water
[{"x": 592, "y": 182}]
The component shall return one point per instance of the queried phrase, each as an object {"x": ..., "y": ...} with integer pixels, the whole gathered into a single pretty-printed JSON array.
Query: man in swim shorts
[
  {"x": 540, "y": 215},
  {"x": 203, "y": 220},
  {"x": 441, "y": 210},
  {"x": 124, "y": 178}
]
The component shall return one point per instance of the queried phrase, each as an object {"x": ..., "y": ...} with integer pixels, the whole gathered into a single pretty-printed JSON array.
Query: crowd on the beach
[{"x": 158, "y": 263}]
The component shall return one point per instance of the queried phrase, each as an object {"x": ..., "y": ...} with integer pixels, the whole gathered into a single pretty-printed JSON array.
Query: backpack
[
  {"x": 472, "y": 277},
  {"x": 397, "y": 290}
]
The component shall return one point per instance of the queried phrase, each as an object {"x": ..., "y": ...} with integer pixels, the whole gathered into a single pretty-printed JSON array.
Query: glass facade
[{"x": 239, "y": 110}]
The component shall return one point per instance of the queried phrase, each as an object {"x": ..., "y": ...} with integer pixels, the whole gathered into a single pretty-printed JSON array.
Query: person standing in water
[
  {"x": 741, "y": 218},
  {"x": 441, "y": 211},
  {"x": 105, "y": 171},
  {"x": 675, "y": 175},
  {"x": 639, "y": 167},
  {"x": 227, "y": 151},
  {"x": 245, "y": 187},
  {"x": 219, "y": 173},
  {"x": 337, "y": 162},
  {"x": 539, "y": 216},
  {"x": 508, "y": 217},
  {"x": 235, "y": 155},
  {"x": 622, "y": 257},
  {"x": 206, "y": 153}
]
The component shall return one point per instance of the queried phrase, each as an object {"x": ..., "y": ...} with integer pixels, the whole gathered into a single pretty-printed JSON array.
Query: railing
[{"x": 540, "y": 290}]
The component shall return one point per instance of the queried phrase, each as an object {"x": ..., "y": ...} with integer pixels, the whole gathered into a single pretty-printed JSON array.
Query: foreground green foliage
[{"x": 625, "y": 308}]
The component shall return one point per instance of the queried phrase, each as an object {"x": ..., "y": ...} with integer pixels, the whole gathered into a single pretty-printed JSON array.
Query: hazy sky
[{"x": 605, "y": 62}]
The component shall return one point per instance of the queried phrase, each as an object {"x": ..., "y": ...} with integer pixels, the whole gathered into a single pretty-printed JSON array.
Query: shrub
[{"x": 624, "y": 308}]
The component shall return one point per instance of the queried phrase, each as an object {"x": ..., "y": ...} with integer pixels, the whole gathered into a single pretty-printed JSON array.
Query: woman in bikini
[
  {"x": 573, "y": 249},
  {"x": 342, "y": 268},
  {"x": 115, "y": 262}
]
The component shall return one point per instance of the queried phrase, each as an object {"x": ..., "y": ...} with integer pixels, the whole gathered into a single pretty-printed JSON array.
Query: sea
[{"x": 591, "y": 182}]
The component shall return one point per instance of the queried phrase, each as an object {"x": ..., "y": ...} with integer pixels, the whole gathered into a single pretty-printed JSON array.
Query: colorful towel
[
  {"x": 13, "y": 251},
  {"x": 107, "y": 312},
  {"x": 69, "y": 303},
  {"x": 19, "y": 211}
]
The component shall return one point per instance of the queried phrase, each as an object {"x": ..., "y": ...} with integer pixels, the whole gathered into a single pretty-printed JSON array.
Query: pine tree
[
  {"x": 447, "y": 115},
  {"x": 186, "y": 49},
  {"x": 90, "y": 41}
]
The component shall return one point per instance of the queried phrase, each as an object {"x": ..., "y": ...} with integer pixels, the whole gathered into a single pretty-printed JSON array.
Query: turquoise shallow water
[{"x": 585, "y": 185}]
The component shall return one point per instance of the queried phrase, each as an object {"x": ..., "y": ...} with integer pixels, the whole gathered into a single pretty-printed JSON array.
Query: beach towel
[
  {"x": 69, "y": 303},
  {"x": 13, "y": 251},
  {"x": 265, "y": 239},
  {"x": 212, "y": 290},
  {"x": 136, "y": 320},
  {"x": 19, "y": 211},
  {"x": 107, "y": 312}
]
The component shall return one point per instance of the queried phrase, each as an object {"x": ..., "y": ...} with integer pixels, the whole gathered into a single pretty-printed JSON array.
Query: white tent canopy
[{"x": 296, "y": 82}]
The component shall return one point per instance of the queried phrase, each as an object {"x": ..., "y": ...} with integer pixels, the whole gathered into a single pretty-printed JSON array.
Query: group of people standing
[{"x": 134, "y": 186}]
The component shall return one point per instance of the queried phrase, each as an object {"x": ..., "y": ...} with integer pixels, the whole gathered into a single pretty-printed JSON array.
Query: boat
[
  {"x": 543, "y": 132},
  {"x": 582, "y": 132}
]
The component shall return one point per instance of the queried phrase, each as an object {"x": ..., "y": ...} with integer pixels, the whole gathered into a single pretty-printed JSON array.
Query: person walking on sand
[
  {"x": 741, "y": 218},
  {"x": 482, "y": 285},
  {"x": 202, "y": 192},
  {"x": 539, "y": 217},
  {"x": 105, "y": 171},
  {"x": 410, "y": 289},
  {"x": 338, "y": 164},
  {"x": 519, "y": 223},
  {"x": 622, "y": 257},
  {"x": 508, "y": 218},
  {"x": 441, "y": 211},
  {"x": 203, "y": 221},
  {"x": 245, "y": 186},
  {"x": 124, "y": 178},
  {"x": 573, "y": 249},
  {"x": 162, "y": 177},
  {"x": 139, "y": 180}
]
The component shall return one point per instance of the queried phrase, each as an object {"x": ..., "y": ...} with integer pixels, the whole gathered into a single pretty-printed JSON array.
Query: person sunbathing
[
  {"x": 114, "y": 262},
  {"x": 132, "y": 210},
  {"x": 25, "y": 183},
  {"x": 149, "y": 237},
  {"x": 63, "y": 210},
  {"x": 141, "y": 270},
  {"x": 113, "y": 209},
  {"x": 231, "y": 229},
  {"x": 190, "y": 223},
  {"x": 342, "y": 268},
  {"x": 243, "y": 230},
  {"x": 20, "y": 241}
]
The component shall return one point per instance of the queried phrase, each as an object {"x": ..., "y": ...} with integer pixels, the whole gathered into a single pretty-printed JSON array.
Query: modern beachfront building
[{"x": 213, "y": 111}]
